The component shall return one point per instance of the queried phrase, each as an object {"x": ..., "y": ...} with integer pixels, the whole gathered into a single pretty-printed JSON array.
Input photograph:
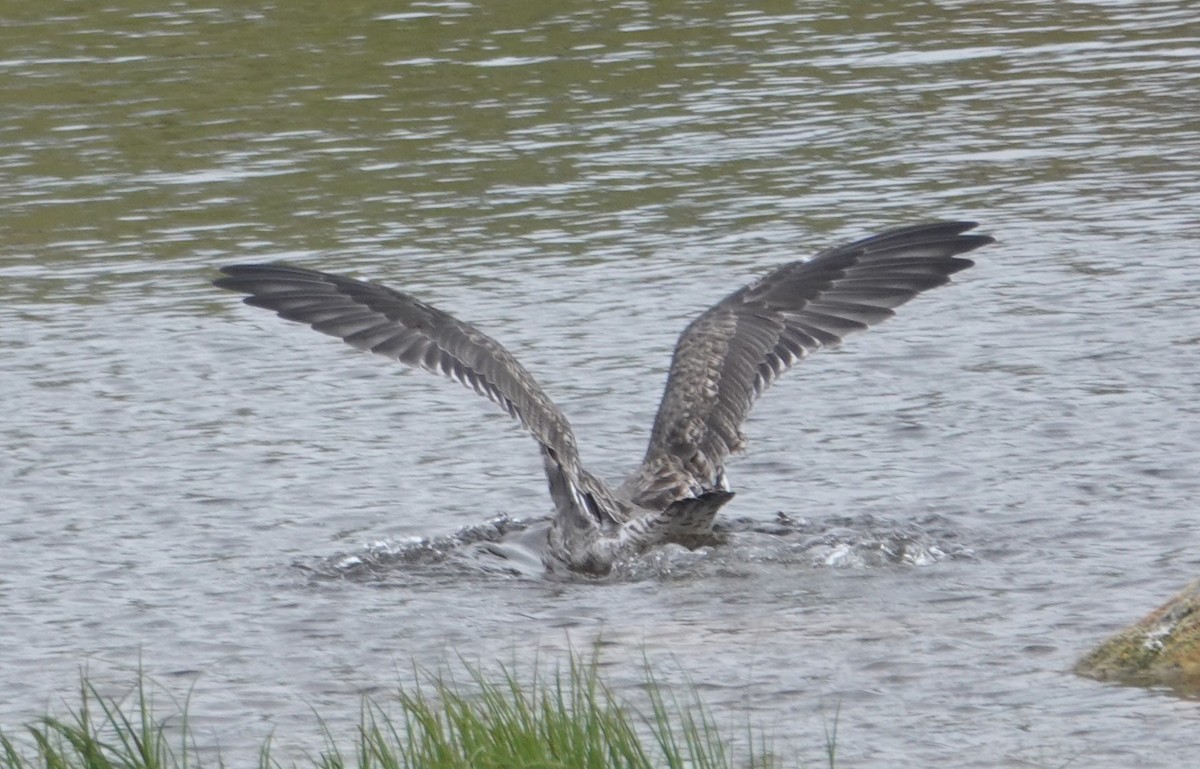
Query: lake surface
[{"x": 187, "y": 484}]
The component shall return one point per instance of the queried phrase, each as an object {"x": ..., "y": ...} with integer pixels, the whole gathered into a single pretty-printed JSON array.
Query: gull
[{"x": 723, "y": 361}]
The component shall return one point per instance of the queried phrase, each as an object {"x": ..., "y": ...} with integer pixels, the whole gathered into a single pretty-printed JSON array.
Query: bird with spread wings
[{"x": 724, "y": 360}]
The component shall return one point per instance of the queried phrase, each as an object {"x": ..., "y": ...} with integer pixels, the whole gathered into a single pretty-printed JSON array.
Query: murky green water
[{"x": 580, "y": 180}]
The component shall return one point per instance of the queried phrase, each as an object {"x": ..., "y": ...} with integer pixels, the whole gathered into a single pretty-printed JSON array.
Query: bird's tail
[{"x": 689, "y": 521}]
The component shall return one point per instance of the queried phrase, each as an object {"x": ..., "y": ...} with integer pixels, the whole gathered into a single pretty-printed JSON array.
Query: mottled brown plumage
[{"x": 723, "y": 362}]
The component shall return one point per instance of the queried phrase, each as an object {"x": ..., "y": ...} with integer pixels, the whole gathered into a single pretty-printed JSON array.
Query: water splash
[{"x": 511, "y": 547}]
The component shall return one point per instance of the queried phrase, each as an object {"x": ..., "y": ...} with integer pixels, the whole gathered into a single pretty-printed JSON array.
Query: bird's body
[{"x": 722, "y": 363}]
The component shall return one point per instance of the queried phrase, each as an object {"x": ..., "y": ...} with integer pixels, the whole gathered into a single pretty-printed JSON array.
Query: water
[{"x": 181, "y": 476}]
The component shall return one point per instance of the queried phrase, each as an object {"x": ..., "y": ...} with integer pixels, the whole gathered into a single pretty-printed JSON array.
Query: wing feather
[
  {"x": 732, "y": 353},
  {"x": 395, "y": 325}
]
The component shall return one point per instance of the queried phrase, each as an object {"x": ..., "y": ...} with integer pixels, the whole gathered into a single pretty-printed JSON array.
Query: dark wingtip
[
  {"x": 944, "y": 231},
  {"x": 952, "y": 227},
  {"x": 232, "y": 273},
  {"x": 958, "y": 264},
  {"x": 957, "y": 225},
  {"x": 975, "y": 240},
  {"x": 237, "y": 277}
]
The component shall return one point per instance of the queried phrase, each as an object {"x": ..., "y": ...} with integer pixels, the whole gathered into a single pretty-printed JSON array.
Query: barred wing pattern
[
  {"x": 393, "y": 324},
  {"x": 732, "y": 353}
]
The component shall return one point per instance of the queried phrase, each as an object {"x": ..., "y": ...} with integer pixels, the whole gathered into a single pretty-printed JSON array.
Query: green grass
[
  {"x": 99, "y": 734},
  {"x": 569, "y": 720}
]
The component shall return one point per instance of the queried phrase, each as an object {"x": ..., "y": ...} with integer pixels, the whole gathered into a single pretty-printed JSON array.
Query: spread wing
[
  {"x": 395, "y": 325},
  {"x": 732, "y": 353}
]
